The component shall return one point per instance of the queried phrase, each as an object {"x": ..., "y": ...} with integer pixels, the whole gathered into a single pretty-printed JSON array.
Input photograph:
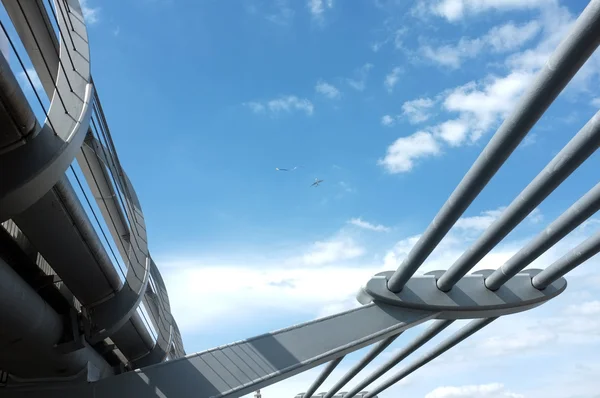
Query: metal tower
[{"x": 85, "y": 311}]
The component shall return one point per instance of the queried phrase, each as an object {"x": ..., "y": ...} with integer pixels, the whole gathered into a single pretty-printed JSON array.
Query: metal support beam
[
  {"x": 575, "y": 215},
  {"x": 577, "y": 256},
  {"x": 427, "y": 335},
  {"x": 567, "y": 59},
  {"x": 241, "y": 368},
  {"x": 467, "y": 331},
  {"x": 324, "y": 374},
  {"x": 581, "y": 147},
  {"x": 376, "y": 350}
]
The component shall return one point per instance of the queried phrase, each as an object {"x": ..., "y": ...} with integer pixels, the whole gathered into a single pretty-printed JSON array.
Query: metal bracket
[{"x": 468, "y": 299}]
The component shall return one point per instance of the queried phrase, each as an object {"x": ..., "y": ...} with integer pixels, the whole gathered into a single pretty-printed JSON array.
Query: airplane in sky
[{"x": 316, "y": 183}]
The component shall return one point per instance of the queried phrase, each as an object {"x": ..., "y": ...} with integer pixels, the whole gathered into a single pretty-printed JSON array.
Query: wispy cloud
[
  {"x": 91, "y": 14},
  {"x": 358, "y": 82},
  {"x": 317, "y": 8},
  {"x": 391, "y": 79},
  {"x": 328, "y": 90},
  {"x": 417, "y": 111},
  {"x": 333, "y": 250},
  {"x": 287, "y": 104},
  {"x": 482, "y": 221},
  {"x": 283, "y": 13},
  {"x": 455, "y": 10},
  {"x": 504, "y": 38},
  {"x": 388, "y": 120},
  {"x": 367, "y": 225},
  {"x": 402, "y": 154},
  {"x": 492, "y": 390}
]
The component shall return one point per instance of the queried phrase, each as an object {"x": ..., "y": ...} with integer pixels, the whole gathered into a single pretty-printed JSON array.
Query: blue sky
[{"x": 389, "y": 102}]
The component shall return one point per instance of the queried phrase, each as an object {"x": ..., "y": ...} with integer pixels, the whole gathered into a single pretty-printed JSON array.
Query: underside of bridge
[{"x": 85, "y": 312}]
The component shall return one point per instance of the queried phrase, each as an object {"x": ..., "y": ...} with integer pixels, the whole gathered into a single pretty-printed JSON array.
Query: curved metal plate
[
  {"x": 31, "y": 170},
  {"x": 468, "y": 299}
]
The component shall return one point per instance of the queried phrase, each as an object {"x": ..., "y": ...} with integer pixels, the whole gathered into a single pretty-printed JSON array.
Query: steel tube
[
  {"x": 575, "y": 215},
  {"x": 566, "y": 60},
  {"x": 577, "y": 256},
  {"x": 462, "y": 334},
  {"x": 581, "y": 147},
  {"x": 432, "y": 331},
  {"x": 324, "y": 374},
  {"x": 378, "y": 349}
]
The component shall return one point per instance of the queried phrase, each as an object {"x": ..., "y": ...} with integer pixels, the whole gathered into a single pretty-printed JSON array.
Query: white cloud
[
  {"x": 454, "y": 132},
  {"x": 493, "y": 390},
  {"x": 286, "y": 104},
  {"x": 91, "y": 14},
  {"x": 358, "y": 82},
  {"x": 328, "y": 90},
  {"x": 482, "y": 221},
  {"x": 283, "y": 14},
  {"x": 499, "y": 39},
  {"x": 484, "y": 104},
  {"x": 454, "y": 10},
  {"x": 307, "y": 292},
  {"x": 589, "y": 308},
  {"x": 391, "y": 79},
  {"x": 402, "y": 154},
  {"x": 387, "y": 120},
  {"x": 417, "y": 111},
  {"x": 477, "y": 107},
  {"x": 595, "y": 101},
  {"x": 317, "y": 7},
  {"x": 333, "y": 250},
  {"x": 367, "y": 225},
  {"x": 33, "y": 76}
]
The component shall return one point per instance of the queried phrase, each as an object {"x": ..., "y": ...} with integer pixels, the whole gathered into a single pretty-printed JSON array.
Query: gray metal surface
[
  {"x": 583, "y": 252},
  {"x": 581, "y": 147},
  {"x": 59, "y": 232},
  {"x": 360, "y": 365},
  {"x": 469, "y": 299},
  {"x": 462, "y": 334},
  {"x": 575, "y": 215},
  {"x": 571, "y": 54},
  {"x": 17, "y": 119},
  {"x": 433, "y": 330},
  {"x": 243, "y": 367},
  {"x": 28, "y": 172}
]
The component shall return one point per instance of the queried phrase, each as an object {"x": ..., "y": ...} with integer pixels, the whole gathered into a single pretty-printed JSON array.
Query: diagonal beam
[
  {"x": 324, "y": 374},
  {"x": 462, "y": 334},
  {"x": 241, "y": 368},
  {"x": 427, "y": 335},
  {"x": 581, "y": 147},
  {"x": 378, "y": 349},
  {"x": 577, "y": 256},
  {"x": 575, "y": 215},
  {"x": 566, "y": 60}
]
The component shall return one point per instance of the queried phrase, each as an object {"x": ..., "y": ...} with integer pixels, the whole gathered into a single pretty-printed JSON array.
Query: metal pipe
[
  {"x": 575, "y": 215},
  {"x": 324, "y": 374},
  {"x": 581, "y": 147},
  {"x": 432, "y": 331},
  {"x": 16, "y": 116},
  {"x": 29, "y": 332},
  {"x": 462, "y": 334},
  {"x": 577, "y": 256},
  {"x": 566, "y": 60},
  {"x": 378, "y": 349}
]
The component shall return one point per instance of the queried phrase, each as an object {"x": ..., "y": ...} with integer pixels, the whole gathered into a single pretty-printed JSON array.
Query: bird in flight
[
  {"x": 316, "y": 183},
  {"x": 280, "y": 169}
]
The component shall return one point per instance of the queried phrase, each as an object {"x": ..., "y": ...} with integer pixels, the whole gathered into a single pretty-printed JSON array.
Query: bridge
[{"x": 85, "y": 311}]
